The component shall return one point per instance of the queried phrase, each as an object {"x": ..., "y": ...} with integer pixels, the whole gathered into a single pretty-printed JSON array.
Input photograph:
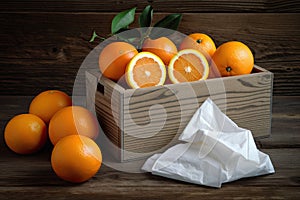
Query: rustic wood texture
[
  {"x": 28, "y": 177},
  {"x": 109, "y": 122},
  {"x": 109, "y": 113},
  {"x": 150, "y": 119},
  {"x": 153, "y": 118},
  {"x": 160, "y": 5},
  {"x": 42, "y": 50}
]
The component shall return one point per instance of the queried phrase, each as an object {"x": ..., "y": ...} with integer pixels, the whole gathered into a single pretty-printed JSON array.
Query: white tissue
[{"x": 215, "y": 151}]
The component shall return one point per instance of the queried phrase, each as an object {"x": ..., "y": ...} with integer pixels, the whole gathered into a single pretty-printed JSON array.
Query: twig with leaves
[{"x": 125, "y": 18}]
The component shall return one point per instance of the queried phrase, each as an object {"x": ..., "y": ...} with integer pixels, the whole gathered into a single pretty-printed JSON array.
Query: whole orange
[
  {"x": 47, "y": 103},
  {"x": 200, "y": 42},
  {"x": 76, "y": 158},
  {"x": 73, "y": 120},
  {"x": 25, "y": 134},
  {"x": 233, "y": 58},
  {"x": 114, "y": 58},
  {"x": 162, "y": 47}
]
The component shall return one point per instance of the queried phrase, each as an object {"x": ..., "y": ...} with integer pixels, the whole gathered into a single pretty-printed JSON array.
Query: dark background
[{"x": 43, "y": 43}]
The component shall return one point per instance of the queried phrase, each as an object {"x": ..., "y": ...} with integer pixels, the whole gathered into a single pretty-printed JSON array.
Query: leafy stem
[
  {"x": 123, "y": 19},
  {"x": 144, "y": 36},
  {"x": 94, "y": 36}
]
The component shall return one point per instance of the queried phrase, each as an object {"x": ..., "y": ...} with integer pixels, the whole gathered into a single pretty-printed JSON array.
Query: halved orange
[
  {"x": 188, "y": 65},
  {"x": 145, "y": 70}
]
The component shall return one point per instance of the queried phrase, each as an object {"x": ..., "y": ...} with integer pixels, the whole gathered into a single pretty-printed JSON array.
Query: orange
[
  {"x": 187, "y": 66},
  {"x": 73, "y": 120},
  {"x": 162, "y": 47},
  {"x": 114, "y": 58},
  {"x": 200, "y": 42},
  {"x": 25, "y": 134},
  {"x": 47, "y": 103},
  {"x": 76, "y": 158},
  {"x": 233, "y": 58},
  {"x": 145, "y": 70}
]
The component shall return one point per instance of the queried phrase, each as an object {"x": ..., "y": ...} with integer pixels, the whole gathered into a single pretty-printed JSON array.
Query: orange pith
[
  {"x": 146, "y": 69},
  {"x": 188, "y": 67}
]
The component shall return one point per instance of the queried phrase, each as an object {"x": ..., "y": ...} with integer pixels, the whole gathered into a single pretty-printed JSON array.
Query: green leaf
[
  {"x": 94, "y": 36},
  {"x": 122, "y": 20},
  {"x": 145, "y": 18},
  {"x": 170, "y": 21},
  {"x": 165, "y": 26}
]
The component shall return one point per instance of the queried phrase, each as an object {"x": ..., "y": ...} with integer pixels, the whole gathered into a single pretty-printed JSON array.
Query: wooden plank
[
  {"x": 154, "y": 117},
  {"x": 285, "y": 110},
  {"x": 26, "y": 177},
  {"x": 31, "y": 176},
  {"x": 162, "y": 192},
  {"x": 91, "y": 89},
  {"x": 54, "y": 45},
  {"x": 108, "y": 106},
  {"x": 109, "y": 118},
  {"x": 159, "y": 6}
]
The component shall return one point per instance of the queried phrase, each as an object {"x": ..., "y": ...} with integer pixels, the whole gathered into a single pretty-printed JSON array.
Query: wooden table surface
[{"x": 31, "y": 177}]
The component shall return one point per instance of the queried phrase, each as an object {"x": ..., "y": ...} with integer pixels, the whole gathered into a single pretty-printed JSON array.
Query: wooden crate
[{"x": 141, "y": 122}]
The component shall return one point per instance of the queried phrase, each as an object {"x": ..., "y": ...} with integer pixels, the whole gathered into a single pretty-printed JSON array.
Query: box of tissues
[{"x": 213, "y": 150}]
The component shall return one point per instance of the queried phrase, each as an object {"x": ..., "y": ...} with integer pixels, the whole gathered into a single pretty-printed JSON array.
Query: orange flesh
[
  {"x": 188, "y": 67},
  {"x": 146, "y": 72}
]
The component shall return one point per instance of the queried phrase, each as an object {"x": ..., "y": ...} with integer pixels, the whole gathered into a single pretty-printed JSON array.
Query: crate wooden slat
[{"x": 145, "y": 121}]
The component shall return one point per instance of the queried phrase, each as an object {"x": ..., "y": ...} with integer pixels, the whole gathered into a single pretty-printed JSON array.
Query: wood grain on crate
[
  {"x": 106, "y": 103},
  {"x": 247, "y": 100},
  {"x": 150, "y": 119},
  {"x": 39, "y": 41},
  {"x": 109, "y": 113}
]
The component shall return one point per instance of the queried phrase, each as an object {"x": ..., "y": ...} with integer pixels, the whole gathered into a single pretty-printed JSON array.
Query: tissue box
[{"x": 141, "y": 122}]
